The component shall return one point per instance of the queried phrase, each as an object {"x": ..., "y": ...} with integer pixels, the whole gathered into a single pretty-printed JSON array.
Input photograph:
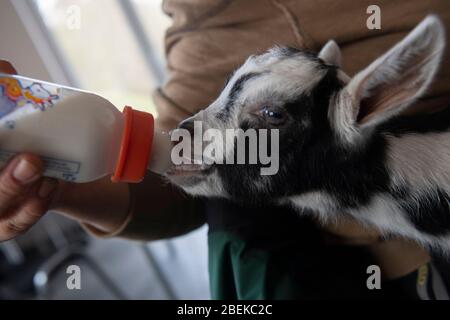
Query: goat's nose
[{"x": 187, "y": 124}]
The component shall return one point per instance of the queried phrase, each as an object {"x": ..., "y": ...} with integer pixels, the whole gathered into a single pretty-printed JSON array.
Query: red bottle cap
[{"x": 135, "y": 147}]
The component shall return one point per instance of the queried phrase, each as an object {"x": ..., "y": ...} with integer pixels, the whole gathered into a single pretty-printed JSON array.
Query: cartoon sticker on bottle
[{"x": 16, "y": 94}]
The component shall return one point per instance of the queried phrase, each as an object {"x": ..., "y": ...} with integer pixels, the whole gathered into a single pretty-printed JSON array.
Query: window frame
[
  {"x": 55, "y": 61},
  {"x": 46, "y": 45}
]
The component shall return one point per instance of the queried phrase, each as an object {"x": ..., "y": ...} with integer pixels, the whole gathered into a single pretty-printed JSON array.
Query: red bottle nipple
[{"x": 135, "y": 147}]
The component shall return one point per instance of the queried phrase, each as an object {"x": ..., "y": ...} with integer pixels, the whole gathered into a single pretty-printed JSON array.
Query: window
[
  {"x": 111, "y": 47},
  {"x": 115, "y": 50}
]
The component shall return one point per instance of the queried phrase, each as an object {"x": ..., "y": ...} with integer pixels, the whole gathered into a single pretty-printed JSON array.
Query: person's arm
[
  {"x": 152, "y": 210},
  {"x": 160, "y": 210}
]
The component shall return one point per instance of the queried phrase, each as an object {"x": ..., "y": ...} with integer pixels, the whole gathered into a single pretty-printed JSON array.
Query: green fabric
[
  {"x": 240, "y": 272},
  {"x": 270, "y": 252}
]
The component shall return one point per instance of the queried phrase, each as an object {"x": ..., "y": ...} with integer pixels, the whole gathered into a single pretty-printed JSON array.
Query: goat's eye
[{"x": 273, "y": 115}]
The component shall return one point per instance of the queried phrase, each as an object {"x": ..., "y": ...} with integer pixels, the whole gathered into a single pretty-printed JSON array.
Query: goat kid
[{"x": 346, "y": 145}]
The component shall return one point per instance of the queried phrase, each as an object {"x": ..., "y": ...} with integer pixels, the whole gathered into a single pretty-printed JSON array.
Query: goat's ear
[
  {"x": 331, "y": 54},
  {"x": 392, "y": 82}
]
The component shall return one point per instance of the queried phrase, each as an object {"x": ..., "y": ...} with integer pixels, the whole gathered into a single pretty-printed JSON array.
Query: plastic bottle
[{"x": 80, "y": 136}]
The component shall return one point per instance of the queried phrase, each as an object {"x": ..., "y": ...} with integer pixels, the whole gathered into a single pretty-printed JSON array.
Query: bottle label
[
  {"x": 18, "y": 94},
  {"x": 20, "y": 97},
  {"x": 55, "y": 168}
]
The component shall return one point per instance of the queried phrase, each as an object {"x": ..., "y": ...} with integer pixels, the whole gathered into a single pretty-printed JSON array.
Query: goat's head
[{"x": 326, "y": 120}]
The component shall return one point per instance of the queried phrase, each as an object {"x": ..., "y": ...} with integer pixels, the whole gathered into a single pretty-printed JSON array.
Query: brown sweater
[{"x": 210, "y": 38}]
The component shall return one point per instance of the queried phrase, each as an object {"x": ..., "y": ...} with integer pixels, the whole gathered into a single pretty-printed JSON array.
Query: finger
[
  {"x": 16, "y": 178},
  {"x": 29, "y": 212},
  {"x": 7, "y": 67}
]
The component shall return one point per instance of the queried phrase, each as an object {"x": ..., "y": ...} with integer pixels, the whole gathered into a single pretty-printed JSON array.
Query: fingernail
[
  {"x": 25, "y": 172},
  {"x": 46, "y": 188}
]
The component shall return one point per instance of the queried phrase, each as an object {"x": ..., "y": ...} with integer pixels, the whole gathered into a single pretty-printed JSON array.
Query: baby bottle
[{"x": 79, "y": 135}]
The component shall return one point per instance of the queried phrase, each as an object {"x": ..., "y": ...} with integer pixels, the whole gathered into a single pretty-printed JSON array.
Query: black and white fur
[{"x": 346, "y": 148}]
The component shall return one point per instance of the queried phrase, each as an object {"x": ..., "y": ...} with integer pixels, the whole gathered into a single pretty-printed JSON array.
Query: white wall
[{"x": 17, "y": 46}]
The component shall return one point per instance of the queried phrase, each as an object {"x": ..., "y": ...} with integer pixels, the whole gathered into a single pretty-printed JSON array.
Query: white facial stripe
[
  {"x": 277, "y": 78},
  {"x": 286, "y": 76}
]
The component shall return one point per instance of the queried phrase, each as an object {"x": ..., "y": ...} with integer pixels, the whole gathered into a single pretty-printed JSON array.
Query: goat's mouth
[
  {"x": 186, "y": 170},
  {"x": 188, "y": 175}
]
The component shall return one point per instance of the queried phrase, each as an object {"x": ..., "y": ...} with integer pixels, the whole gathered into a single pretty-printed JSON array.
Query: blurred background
[{"x": 114, "y": 48}]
